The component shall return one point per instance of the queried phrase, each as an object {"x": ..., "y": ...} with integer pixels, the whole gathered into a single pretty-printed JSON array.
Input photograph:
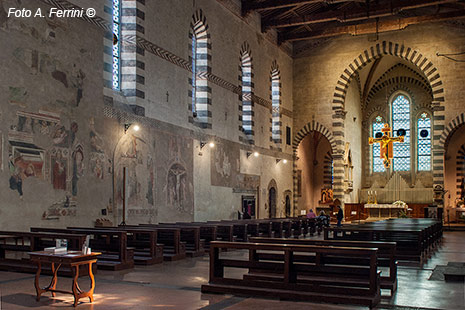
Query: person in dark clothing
[{"x": 340, "y": 216}]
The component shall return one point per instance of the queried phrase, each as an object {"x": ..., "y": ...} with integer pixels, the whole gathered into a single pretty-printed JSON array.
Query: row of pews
[
  {"x": 350, "y": 266},
  {"x": 124, "y": 246}
]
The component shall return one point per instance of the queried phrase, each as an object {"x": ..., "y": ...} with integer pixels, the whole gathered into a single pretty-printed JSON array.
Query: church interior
[{"x": 232, "y": 154}]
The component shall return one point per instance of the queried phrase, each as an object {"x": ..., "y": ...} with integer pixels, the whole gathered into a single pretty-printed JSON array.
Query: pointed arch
[
  {"x": 450, "y": 129},
  {"x": 433, "y": 77}
]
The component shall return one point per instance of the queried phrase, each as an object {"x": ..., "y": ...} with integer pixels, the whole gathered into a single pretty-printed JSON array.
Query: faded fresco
[
  {"x": 134, "y": 153},
  {"x": 225, "y": 164},
  {"x": 178, "y": 182}
]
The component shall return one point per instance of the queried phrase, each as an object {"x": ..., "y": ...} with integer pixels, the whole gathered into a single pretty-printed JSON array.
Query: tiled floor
[{"x": 176, "y": 285}]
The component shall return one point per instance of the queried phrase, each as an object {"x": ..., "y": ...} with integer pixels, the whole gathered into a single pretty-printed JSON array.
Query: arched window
[
  {"x": 276, "y": 103},
  {"x": 378, "y": 166},
  {"x": 116, "y": 67},
  {"x": 424, "y": 142},
  {"x": 247, "y": 90},
  {"x": 201, "y": 92},
  {"x": 401, "y": 120}
]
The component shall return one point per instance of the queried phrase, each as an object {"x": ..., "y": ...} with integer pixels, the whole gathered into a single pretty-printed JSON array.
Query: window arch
[
  {"x": 247, "y": 91},
  {"x": 276, "y": 103},
  {"x": 200, "y": 62},
  {"x": 424, "y": 142},
  {"x": 377, "y": 163},
  {"x": 400, "y": 111}
]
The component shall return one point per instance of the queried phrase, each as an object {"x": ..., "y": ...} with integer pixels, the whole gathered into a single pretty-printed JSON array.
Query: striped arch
[
  {"x": 431, "y": 73},
  {"x": 247, "y": 87},
  {"x": 275, "y": 77},
  {"x": 460, "y": 169},
  {"x": 299, "y": 136},
  {"x": 200, "y": 92},
  {"x": 450, "y": 130}
]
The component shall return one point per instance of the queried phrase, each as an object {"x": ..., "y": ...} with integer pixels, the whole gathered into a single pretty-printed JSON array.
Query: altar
[{"x": 384, "y": 211}]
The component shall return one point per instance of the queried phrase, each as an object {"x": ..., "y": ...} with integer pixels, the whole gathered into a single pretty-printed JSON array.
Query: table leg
[
  {"x": 92, "y": 284},
  {"x": 39, "y": 291},
  {"x": 53, "y": 283},
  {"x": 75, "y": 288}
]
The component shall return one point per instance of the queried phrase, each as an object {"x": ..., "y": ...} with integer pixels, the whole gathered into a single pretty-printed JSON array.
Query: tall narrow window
[
  {"x": 247, "y": 89},
  {"x": 276, "y": 103},
  {"x": 116, "y": 45},
  {"x": 424, "y": 142},
  {"x": 401, "y": 120},
  {"x": 378, "y": 166},
  {"x": 201, "y": 92}
]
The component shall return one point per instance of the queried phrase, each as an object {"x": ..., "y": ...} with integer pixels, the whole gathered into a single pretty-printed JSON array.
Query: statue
[{"x": 386, "y": 143}]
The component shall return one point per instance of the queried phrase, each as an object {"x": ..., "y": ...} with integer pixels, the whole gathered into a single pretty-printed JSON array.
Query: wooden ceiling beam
[
  {"x": 267, "y": 5},
  {"x": 372, "y": 27},
  {"x": 355, "y": 15}
]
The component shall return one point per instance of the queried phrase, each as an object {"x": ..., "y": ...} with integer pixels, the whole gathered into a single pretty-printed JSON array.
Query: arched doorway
[{"x": 272, "y": 202}]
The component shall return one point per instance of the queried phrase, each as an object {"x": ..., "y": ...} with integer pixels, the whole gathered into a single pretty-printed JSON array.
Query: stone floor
[{"x": 176, "y": 285}]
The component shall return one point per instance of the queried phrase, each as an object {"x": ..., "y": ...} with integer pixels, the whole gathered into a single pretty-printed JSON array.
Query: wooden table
[{"x": 72, "y": 258}]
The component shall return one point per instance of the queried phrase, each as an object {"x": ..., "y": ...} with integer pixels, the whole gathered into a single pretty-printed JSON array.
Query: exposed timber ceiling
[{"x": 300, "y": 20}]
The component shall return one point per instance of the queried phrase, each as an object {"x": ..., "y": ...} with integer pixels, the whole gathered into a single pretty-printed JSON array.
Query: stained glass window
[
  {"x": 424, "y": 142},
  {"x": 401, "y": 120},
  {"x": 376, "y": 148},
  {"x": 116, "y": 70}
]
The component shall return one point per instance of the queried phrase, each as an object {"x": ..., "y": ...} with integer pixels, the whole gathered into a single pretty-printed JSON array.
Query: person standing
[{"x": 340, "y": 216}]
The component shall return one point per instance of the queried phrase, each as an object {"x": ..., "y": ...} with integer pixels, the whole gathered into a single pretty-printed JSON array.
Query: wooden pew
[
  {"x": 170, "y": 237},
  {"x": 144, "y": 242},
  {"x": 15, "y": 245},
  {"x": 291, "y": 279},
  {"x": 116, "y": 255},
  {"x": 190, "y": 235},
  {"x": 386, "y": 255},
  {"x": 239, "y": 229}
]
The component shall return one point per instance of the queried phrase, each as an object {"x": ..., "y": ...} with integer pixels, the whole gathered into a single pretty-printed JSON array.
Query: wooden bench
[
  {"x": 386, "y": 255},
  {"x": 208, "y": 232},
  {"x": 170, "y": 237},
  {"x": 190, "y": 235},
  {"x": 144, "y": 242},
  {"x": 15, "y": 245},
  {"x": 116, "y": 255},
  {"x": 296, "y": 280}
]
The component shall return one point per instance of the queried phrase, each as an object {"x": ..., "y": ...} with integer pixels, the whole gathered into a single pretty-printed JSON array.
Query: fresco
[
  {"x": 96, "y": 165},
  {"x": 59, "y": 165},
  {"x": 225, "y": 164},
  {"x": 64, "y": 207},
  {"x": 78, "y": 168}
]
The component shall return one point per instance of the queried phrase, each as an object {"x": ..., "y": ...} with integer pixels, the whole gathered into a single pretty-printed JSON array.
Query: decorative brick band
[
  {"x": 433, "y": 79},
  {"x": 450, "y": 129},
  {"x": 460, "y": 169}
]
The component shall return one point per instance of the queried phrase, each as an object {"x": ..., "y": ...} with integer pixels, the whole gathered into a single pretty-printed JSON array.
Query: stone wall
[{"x": 64, "y": 145}]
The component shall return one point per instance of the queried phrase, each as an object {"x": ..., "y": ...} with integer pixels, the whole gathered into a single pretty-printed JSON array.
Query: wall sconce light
[
  {"x": 128, "y": 125},
  {"x": 255, "y": 154},
  {"x": 202, "y": 144},
  {"x": 284, "y": 161}
]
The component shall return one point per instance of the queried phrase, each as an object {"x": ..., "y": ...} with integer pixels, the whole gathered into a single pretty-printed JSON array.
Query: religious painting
[
  {"x": 60, "y": 136},
  {"x": 225, "y": 164},
  {"x": 78, "y": 168},
  {"x": 25, "y": 160},
  {"x": 96, "y": 163},
  {"x": 59, "y": 166},
  {"x": 177, "y": 187},
  {"x": 65, "y": 207},
  {"x": 96, "y": 142},
  {"x": 150, "y": 180}
]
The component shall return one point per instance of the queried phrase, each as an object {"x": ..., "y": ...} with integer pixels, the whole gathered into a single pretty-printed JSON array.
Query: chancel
[{"x": 232, "y": 154}]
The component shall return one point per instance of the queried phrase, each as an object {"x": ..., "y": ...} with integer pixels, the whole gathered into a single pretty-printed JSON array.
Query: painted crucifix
[{"x": 386, "y": 143}]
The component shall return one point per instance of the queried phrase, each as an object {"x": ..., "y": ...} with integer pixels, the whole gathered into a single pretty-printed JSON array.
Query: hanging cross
[{"x": 386, "y": 143}]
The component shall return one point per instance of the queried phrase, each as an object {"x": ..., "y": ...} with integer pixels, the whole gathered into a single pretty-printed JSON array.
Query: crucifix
[{"x": 386, "y": 143}]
